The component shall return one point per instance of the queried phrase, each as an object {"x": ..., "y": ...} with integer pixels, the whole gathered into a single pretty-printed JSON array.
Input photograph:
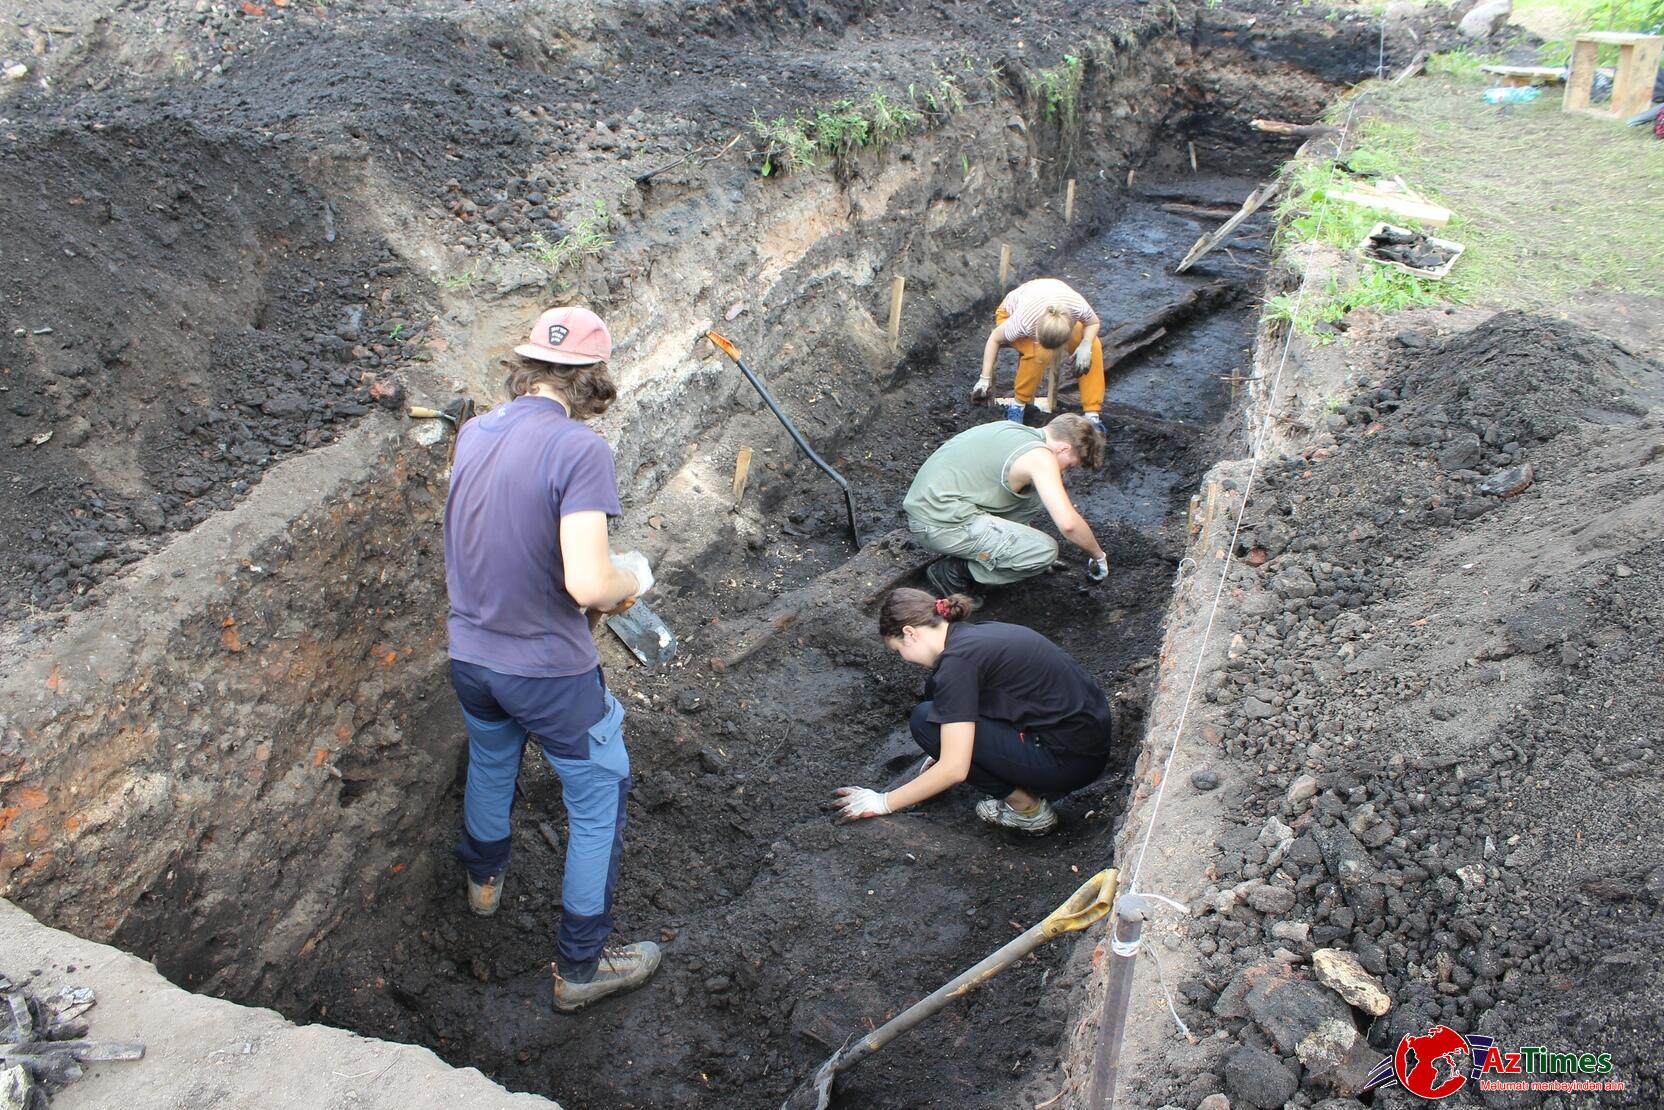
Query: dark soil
[
  {"x": 1469, "y": 672},
  {"x": 786, "y": 932}
]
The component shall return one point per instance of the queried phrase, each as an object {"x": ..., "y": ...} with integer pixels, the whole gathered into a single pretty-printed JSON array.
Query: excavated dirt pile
[{"x": 1447, "y": 678}]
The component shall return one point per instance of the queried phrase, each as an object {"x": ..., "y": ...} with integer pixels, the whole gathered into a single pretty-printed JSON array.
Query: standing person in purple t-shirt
[{"x": 526, "y": 552}]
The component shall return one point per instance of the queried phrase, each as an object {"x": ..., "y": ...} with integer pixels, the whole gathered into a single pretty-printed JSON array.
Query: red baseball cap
[{"x": 570, "y": 336}]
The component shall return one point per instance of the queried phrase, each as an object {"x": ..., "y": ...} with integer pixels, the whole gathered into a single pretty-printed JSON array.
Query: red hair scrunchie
[{"x": 942, "y": 607}]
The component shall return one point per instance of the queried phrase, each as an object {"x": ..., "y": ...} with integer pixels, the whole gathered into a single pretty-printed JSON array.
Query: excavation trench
[{"x": 245, "y": 765}]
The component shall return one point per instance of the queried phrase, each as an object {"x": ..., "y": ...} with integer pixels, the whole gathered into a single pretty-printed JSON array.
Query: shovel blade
[{"x": 648, "y": 638}]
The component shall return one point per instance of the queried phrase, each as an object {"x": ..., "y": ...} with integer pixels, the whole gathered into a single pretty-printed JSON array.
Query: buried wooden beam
[
  {"x": 1134, "y": 336},
  {"x": 1304, "y": 130},
  {"x": 1206, "y": 243}
]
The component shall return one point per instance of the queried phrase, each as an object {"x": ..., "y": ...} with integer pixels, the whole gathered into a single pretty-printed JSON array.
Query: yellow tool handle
[
  {"x": 725, "y": 344},
  {"x": 1086, "y": 906},
  {"x": 420, "y": 413}
]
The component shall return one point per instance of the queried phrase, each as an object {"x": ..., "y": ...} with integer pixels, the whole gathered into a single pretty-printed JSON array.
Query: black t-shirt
[{"x": 1005, "y": 672}]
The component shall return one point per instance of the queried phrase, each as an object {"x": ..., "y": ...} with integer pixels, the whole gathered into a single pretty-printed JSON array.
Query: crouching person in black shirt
[{"x": 1006, "y": 710}]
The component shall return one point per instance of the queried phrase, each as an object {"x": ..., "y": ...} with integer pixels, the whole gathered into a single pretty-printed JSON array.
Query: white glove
[
  {"x": 1098, "y": 569},
  {"x": 855, "y": 802},
  {"x": 981, "y": 390},
  {"x": 635, "y": 563},
  {"x": 1083, "y": 358}
]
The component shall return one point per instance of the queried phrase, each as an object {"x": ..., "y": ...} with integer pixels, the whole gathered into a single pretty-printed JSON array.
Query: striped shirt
[{"x": 1029, "y": 301}]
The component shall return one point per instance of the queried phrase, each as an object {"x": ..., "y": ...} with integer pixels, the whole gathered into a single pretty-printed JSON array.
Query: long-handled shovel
[
  {"x": 733, "y": 352},
  {"x": 1085, "y": 907}
]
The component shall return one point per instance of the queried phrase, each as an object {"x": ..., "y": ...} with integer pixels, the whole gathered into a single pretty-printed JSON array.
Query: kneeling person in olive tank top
[{"x": 972, "y": 500}]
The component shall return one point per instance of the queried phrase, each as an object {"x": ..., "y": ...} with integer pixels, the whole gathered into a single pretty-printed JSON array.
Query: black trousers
[{"x": 1003, "y": 759}]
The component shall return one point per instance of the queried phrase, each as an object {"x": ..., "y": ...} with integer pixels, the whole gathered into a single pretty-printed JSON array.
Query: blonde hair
[
  {"x": 1081, "y": 434},
  {"x": 1055, "y": 327}
]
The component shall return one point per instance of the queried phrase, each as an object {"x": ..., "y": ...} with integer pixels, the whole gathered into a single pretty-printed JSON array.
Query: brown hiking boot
[
  {"x": 622, "y": 967},
  {"x": 484, "y": 895}
]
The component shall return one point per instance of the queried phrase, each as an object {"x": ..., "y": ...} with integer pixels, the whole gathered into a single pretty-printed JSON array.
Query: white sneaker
[{"x": 1039, "y": 823}]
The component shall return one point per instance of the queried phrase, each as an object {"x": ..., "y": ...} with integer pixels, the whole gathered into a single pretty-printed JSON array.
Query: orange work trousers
[{"x": 1034, "y": 360}]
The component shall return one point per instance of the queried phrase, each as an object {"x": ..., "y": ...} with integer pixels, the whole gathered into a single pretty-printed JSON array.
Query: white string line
[{"x": 1247, "y": 492}]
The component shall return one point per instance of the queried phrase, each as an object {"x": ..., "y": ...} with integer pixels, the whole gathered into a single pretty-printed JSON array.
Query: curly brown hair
[{"x": 588, "y": 389}]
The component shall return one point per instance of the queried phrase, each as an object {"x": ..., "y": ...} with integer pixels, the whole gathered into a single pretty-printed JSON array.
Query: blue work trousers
[
  {"x": 1004, "y": 758},
  {"x": 501, "y": 712}
]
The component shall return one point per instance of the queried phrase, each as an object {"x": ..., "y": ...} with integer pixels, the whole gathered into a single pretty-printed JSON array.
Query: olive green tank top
[{"x": 970, "y": 474}]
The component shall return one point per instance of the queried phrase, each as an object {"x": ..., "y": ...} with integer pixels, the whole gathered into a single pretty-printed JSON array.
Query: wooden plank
[
  {"x": 1582, "y": 78},
  {"x": 1415, "y": 67},
  {"x": 1617, "y": 38},
  {"x": 1206, "y": 243},
  {"x": 898, "y": 288},
  {"x": 1637, "y": 68},
  {"x": 1552, "y": 74},
  {"x": 1421, "y": 211},
  {"x": 742, "y": 471}
]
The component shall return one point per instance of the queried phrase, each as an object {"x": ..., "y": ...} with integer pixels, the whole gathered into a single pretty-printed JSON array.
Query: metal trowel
[{"x": 648, "y": 638}]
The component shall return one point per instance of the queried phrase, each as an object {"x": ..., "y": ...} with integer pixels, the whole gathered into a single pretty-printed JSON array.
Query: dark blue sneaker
[{"x": 1014, "y": 411}]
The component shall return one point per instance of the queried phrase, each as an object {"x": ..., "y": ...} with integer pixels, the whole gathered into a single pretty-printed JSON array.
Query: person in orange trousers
[{"x": 1037, "y": 319}]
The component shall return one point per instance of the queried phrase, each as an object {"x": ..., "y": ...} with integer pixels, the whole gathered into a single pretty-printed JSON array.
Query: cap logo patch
[{"x": 557, "y": 334}]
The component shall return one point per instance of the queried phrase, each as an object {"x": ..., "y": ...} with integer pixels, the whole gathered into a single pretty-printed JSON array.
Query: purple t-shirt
[{"x": 518, "y": 470}]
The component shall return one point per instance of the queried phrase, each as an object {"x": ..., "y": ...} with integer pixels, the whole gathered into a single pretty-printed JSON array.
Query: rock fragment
[
  {"x": 1258, "y": 1078},
  {"x": 1340, "y": 971}
]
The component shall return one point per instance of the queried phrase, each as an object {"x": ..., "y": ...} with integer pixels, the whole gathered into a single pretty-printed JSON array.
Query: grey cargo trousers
[{"x": 999, "y": 551}]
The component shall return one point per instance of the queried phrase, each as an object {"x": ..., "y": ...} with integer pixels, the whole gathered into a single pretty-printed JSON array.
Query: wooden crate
[{"x": 1632, "y": 87}]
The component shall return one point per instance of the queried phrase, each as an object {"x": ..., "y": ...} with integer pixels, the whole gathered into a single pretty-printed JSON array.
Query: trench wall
[{"x": 223, "y": 759}]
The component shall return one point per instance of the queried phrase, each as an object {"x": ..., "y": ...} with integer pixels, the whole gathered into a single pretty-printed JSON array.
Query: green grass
[
  {"x": 1059, "y": 88},
  {"x": 838, "y": 131},
  {"x": 587, "y": 239},
  {"x": 1458, "y": 64},
  {"x": 1549, "y": 205}
]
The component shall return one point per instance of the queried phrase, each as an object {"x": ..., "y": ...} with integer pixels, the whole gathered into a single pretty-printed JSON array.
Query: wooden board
[
  {"x": 1421, "y": 211},
  {"x": 1206, "y": 243},
  {"x": 1552, "y": 74}
]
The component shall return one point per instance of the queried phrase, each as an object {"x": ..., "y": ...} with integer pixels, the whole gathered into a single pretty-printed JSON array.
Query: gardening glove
[
  {"x": 1083, "y": 358},
  {"x": 856, "y": 802},
  {"x": 635, "y": 563},
  {"x": 1098, "y": 569},
  {"x": 981, "y": 391}
]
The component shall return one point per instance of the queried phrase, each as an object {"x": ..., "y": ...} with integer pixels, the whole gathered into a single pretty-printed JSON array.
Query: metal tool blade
[{"x": 648, "y": 638}]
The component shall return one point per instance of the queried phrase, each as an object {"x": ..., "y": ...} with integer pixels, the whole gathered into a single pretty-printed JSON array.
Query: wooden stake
[
  {"x": 1130, "y": 175},
  {"x": 1192, "y": 147},
  {"x": 897, "y": 288},
  {"x": 1005, "y": 268},
  {"x": 1069, "y": 202},
  {"x": 742, "y": 471}
]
